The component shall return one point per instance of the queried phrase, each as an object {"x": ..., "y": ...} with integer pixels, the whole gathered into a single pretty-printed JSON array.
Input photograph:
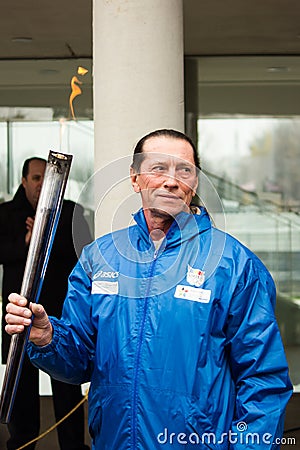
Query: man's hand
[
  {"x": 19, "y": 315},
  {"x": 29, "y": 226}
]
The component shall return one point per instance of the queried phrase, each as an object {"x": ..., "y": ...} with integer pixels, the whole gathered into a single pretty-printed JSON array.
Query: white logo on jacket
[
  {"x": 105, "y": 274},
  {"x": 195, "y": 277}
]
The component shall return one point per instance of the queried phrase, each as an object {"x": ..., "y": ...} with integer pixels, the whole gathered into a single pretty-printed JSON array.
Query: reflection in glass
[{"x": 254, "y": 166}]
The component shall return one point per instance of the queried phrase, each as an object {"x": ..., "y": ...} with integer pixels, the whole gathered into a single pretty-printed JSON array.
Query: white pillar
[{"x": 138, "y": 87}]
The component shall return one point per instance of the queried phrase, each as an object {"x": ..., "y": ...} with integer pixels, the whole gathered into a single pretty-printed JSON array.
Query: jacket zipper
[{"x": 138, "y": 356}]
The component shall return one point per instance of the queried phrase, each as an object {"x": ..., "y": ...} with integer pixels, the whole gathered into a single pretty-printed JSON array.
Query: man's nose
[{"x": 170, "y": 179}]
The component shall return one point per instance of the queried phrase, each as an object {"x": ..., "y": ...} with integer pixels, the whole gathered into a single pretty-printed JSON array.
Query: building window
[{"x": 252, "y": 168}]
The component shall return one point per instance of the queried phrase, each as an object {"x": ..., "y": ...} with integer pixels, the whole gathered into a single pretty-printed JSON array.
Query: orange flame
[{"x": 75, "y": 89}]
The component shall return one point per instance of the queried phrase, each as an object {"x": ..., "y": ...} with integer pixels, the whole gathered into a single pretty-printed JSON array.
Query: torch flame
[{"x": 75, "y": 88}]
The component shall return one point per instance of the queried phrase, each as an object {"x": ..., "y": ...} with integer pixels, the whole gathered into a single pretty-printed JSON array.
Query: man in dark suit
[{"x": 16, "y": 223}]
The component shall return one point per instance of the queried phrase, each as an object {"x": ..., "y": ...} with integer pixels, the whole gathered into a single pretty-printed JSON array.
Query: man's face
[
  {"x": 33, "y": 182},
  {"x": 168, "y": 177}
]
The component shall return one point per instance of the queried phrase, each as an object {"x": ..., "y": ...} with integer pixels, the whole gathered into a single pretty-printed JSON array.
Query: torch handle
[{"x": 12, "y": 373}]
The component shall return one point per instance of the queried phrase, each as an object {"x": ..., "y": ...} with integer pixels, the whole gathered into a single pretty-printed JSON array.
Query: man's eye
[
  {"x": 158, "y": 168},
  {"x": 185, "y": 170}
]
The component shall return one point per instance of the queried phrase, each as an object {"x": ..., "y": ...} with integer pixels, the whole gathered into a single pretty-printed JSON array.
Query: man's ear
[
  {"x": 23, "y": 181},
  {"x": 134, "y": 180}
]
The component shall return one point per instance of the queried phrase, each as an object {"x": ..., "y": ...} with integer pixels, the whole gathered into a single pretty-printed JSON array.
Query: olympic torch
[{"x": 43, "y": 232}]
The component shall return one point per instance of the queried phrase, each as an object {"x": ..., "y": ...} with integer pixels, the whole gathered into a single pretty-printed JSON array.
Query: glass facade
[
  {"x": 253, "y": 166},
  {"x": 21, "y": 140}
]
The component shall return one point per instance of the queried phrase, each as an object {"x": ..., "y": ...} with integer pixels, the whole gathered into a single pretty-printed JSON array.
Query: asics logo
[{"x": 104, "y": 274}]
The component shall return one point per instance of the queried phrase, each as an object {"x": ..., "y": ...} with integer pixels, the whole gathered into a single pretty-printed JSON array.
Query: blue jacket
[{"x": 181, "y": 344}]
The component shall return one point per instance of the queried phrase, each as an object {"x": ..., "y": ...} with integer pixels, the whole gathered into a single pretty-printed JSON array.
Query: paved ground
[
  {"x": 50, "y": 441},
  {"x": 292, "y": 421}
]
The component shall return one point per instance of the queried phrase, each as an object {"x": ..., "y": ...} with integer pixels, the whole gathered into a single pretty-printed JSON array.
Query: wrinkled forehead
[
  {"x": 149, "y": 159},
  {"x": 168, "y": 149}
]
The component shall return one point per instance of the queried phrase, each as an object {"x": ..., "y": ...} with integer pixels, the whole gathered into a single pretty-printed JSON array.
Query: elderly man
[{"x": 171, "y": 320}]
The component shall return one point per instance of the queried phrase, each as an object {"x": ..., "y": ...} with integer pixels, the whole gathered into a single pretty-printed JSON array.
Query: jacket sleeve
[
  {"x": 69, "y": 356},
  {"x": 258, "y": 363}
]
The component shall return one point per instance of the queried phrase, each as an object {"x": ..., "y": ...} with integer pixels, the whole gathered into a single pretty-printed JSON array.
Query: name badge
[
  {"x": 192, "y": 293},
  {"x": 105, "y": 287}
]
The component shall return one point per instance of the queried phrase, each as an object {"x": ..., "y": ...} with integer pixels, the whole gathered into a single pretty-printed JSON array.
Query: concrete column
[{"x": 138, "y": 87}]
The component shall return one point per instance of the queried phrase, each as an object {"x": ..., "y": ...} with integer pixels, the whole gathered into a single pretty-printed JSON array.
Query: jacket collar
[
  {"x": 184, "y": 227},
  {"x": 20, "y": 201}
]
